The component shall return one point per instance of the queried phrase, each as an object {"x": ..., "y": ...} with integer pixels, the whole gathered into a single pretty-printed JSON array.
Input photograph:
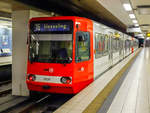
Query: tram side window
[
  {"x": 120, "y": 44},
  {"x": 106, "y": 44},
  {"x": 82, "y": 46},
  {"x": 114, "y": 45},
  {"x": 126, "y": 45},
  {"x": 129, "y": 45},
  {"x": 135, "y": 43},
  {"x": 98, "y": 45},
  {"x": 101, "y": 45},
  {"x": 117, "y": 45}
]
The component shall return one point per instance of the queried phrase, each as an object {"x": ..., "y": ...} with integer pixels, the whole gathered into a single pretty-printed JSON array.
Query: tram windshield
[
  {"x": 51, "y": 48},
  {"x": 49, "y": 45}
]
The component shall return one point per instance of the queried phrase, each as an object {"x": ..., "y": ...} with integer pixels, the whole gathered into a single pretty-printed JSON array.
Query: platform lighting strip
[
  {"x": 148, "y": 38},
  {"x": 132, "y": 16},
  {"x": 136, "y": 25},
  {"x": 128, "y": 8},
  {"x": 134, "y": 21}
]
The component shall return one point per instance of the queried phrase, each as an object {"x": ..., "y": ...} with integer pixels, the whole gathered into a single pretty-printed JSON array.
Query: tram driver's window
[{"x": 82, "y": 46}]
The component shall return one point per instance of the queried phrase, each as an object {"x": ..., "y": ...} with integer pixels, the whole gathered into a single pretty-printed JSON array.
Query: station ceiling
[
  {"x": 109, "y": 12},
  {"x": 86, "y": 8},
  {"x": 93, "y": 9},
  {"x": 5, "y": 10},
  {"x": 142, "y": 12}
]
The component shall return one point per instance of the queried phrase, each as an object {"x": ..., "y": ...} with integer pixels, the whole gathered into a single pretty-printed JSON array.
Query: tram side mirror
[{"x": 31, "y": 56}]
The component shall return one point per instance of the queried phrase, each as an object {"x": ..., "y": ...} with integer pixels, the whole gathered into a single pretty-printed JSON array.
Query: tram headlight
[
  {"x": 65, "y": 80},
  {"x": 31, "y": 77}
]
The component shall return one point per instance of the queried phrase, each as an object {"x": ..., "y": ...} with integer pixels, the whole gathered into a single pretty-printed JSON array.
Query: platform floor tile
[{"x": 134, "y": 94}]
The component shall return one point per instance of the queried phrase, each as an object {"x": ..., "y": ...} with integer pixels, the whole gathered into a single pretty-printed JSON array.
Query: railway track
[
  {"x": 5, "y": 87},
  {"x": 50, "y": 104},
  {"x": 43, "y": 104},
  {"x": 40, "y": 104},
  {"x": 5, "y": 73},
  {"x": 5, "y": 82},
  {"x": 9, "y": 101}
]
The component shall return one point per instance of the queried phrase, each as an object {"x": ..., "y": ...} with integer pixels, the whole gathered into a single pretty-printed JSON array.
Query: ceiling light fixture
[
  {"x": 127, "y": 7},
  {"x": 134, "y": 21},
  {"x": 131, "y": 16},
  {"x": 136, "y": 25},
  {"x": 148, "y": 38}
]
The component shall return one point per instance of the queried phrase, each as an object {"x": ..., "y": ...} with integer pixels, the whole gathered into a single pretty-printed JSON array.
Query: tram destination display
[{"x": 43, "y": 27}]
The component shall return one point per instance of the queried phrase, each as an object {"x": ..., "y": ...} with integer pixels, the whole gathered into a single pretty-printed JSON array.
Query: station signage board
[
  {"x": 132, "y": 30},
  {"x": 138, "y": 35},
  {"x": 148, "y": 34}
]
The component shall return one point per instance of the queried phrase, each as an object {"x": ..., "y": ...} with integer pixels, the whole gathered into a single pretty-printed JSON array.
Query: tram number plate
[{"x": 47, "y": 79}]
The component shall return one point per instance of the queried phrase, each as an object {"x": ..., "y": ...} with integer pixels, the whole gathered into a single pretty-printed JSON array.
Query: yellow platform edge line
[{"x": 97, "y": 103}]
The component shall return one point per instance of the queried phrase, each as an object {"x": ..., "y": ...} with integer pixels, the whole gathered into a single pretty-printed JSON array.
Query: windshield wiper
[
  {"x": 61, "y": 61},
  {"x": 34, "y": 42},
  {"x": 64, "y": 61}
]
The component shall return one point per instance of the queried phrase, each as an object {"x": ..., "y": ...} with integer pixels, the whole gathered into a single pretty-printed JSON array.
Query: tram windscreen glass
[
  {"x": 52, "y": 27},
  {"x": 51, "y": 41}
]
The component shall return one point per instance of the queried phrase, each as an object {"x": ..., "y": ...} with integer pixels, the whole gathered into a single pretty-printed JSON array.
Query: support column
[
  {"x": 19, "y": 51},
  {"x": 20, "y": 19}
]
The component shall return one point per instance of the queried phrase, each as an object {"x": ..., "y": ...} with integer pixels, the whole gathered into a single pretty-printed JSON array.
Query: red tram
[{"x": 67, "y": 53}]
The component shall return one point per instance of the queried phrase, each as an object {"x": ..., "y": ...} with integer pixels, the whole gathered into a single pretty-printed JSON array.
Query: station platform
[
  {"x": 132, "y": 95},
  {"x": 5, "y": 60}
]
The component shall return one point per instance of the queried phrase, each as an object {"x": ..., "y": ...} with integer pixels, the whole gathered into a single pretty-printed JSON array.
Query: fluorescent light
[
  {"x": 131, "y": 16},
  {"x": 127, "y": 7},
  {"x": 136, "y": 25},
  {"x": 148, "y": 38},
  {"x": 134, "y": 21}
]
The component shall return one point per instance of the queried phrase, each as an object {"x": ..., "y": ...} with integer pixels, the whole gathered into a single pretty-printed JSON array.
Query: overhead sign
[
  {"x": 51, "y": 27},
  {"x": 132, "y": 30},
  {"x": 148, "y": 34},
  {"x": 117, "y": 35},
  {"x": 138, "y": 35}
]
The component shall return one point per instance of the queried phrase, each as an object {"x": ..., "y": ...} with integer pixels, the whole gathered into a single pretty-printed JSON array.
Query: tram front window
[{"x": 51, "y": 48}]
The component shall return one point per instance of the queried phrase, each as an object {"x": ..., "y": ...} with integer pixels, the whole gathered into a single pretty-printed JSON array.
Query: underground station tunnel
[{"x": 74, "y": 56}]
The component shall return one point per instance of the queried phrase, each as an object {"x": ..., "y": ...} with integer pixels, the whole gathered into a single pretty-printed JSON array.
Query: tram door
[
  {"x": 83, "y": 58},
  {"x": 120, "y": 49},
  {"x": 110, "y": 50}
]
